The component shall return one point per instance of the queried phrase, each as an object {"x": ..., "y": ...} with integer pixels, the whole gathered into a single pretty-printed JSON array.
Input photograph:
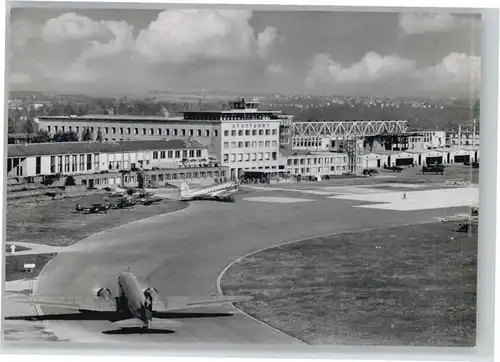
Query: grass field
[
  {"x": 413, "y": 285},
  {"x": 14, "y": 264},
  {"x": 57, "y": 224}
]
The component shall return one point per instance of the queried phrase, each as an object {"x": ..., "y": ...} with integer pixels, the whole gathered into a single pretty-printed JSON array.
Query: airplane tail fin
[{"x": 184, "y": 189}]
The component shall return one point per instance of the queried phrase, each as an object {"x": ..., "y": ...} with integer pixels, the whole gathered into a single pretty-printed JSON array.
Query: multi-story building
[
  {"x": 185, "y": 159},
  {"x": 242, "y": 137},
  {"x": 466, "y": 135},
  {"x": 304, "y": 163}
]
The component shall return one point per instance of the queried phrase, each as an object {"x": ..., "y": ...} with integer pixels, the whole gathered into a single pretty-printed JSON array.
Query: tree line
[{"x": 42, "y": 136}]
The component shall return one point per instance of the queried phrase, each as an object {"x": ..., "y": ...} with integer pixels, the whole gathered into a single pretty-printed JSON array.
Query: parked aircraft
[
  {"x": 217, "y": 192},
  {"x": 93, "y": 209},
  {"x": 135, "y": 306}
]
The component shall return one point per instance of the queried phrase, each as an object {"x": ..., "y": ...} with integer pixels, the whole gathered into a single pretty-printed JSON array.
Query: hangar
[
  {"x": 460, "y": 155},
  {"x": 371, "y": 160},
  {"x": 432, "y": 157}
]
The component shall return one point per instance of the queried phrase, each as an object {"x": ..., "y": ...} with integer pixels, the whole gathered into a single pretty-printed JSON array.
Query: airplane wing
[
  {"x": 177, "y": 303},
  {"x": 65, "y": 302}
]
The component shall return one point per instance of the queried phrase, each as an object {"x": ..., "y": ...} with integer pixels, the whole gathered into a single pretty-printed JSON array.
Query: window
[
  {"x": 207, "y": 133},
  {"x": 152, "y": 131},
  {"x": 167, "y": 132},
  {"x": 260, "y": 156},
  {"x": 59, "y": 164},
  {"x": 261, "y": 132},
  {"x": 66, "y": 163},
  {"x": 52, "y": 164},
  {"x": 226, "y": 157},
  {"x": 175, "y": 132},
  {"x": 155, "y": 155},
  {"x": 174, "y": 176},
  {"x": 247, "y": 144},
  {"x": 233, "y": 144},
  {"x": 247, "y": 157},
  {"x": 266, "y": 156},
  {"x": 198, "y": 153},
  {"x": 233, "y": 133},
  {"x": 216, "y": 133},
  {"x": 136, "y": 130},
  {"x": 128, "y": 130},
  {"x": 247, "y": 132},
  {"x": 162, "y": 155},
  {"x": 167, "y": 176},
  {"x": 38, "y": 167},
  {"x": 226, "y": 133},
  {"x": 267, "y": 132},
  {"x": 96, "y": 161},
  {"x": 254, "y": 132},
  {"x": 170, "y": 154},
  {"x": 177, "y": 154},
  {"x": 121, "y": 130},
  {"x": 274, "y": 156},
  {"x": 240, "y": 132},
  {"x": 55, "y": 128},
  {"x": 191, "y": 133},
  {"x": 254, "y": 156},
  {"x": 226, "y": 144},
  {"x": 267, "y": 143},
  {"x": 89, "y": 162},
  {"x": 261, "y": 144},
  {"x": 48, "y": 129},
  {"x": 82, "y": 162},
  {"x": 113, "y": 130},
  {"x": 274, "y": 143},
  {"x": 240, "y": 144},
  {"x": 233, "y": 157},
  {"x": 254, "y": 144},
  {"x": 144, "y": 131},
  {"x": 184, "y": 154},
  {"x": 275, "y": 132},
  {"x": 195, "y": 174},
  {"x": 240, "y": 157},
  {"x": 191, "y": 153},
  {"x": 62, "y": 128},
  {"x": 198, "y": 132}
]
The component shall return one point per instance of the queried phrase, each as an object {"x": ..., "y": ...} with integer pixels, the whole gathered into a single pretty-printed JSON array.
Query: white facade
[
  {"x": 371, "y": 160},
  {"x": 250, "y": 145},
  {"x": 317, "y": 164},
  {"x": 95, "y": 162}
]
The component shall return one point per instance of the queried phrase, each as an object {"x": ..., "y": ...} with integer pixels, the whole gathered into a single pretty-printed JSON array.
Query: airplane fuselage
[
  {"x": 133, "y": 299},
  {"x": 208, "y": 192}
]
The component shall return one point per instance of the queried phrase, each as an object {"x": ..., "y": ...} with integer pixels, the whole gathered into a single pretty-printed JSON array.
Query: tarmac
[{"x": 184, "y": 253}]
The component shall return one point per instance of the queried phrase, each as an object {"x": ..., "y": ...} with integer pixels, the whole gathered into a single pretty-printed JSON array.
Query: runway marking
[
  {"x": 417, "y": 200},
  {"x": 279, "y": 200}
]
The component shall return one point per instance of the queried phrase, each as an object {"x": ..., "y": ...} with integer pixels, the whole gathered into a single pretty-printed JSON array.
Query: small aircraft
[
  {"x": 135, "y": 305},
  {"x": 124, "y": 203},
  {"x": 217, "y": 192},
  {"x": 93, "y": 209},
  {"x": 147, "y": 201}
]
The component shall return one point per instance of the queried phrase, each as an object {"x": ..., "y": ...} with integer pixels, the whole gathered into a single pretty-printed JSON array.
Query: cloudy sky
[{"x": 345, "y": 53}]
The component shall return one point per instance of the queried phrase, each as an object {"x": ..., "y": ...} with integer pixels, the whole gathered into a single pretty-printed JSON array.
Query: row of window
[
  {"x": 177, "y": 153},
  {"x": 240, "y": 157},
  {"x": 15, "y": 164},
  {"x": 320, "y": 170},
  {"x": 253, "y": 132},
  {"x": 79, "y": 163},
  {"x": 316, "y": 161},
  {"x": 136, "y": 131},
  {"x": 252, "y": 144},
  {"x": 159, "y": 177}
]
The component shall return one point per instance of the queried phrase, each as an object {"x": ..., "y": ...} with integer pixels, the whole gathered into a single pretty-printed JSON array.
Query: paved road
[{"x": 184, "y": 252}]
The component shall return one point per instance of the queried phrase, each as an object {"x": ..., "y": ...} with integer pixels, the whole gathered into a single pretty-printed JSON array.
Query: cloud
[
  {"x": 371, "y": 67},
  {"x": 71, "y": 26},
  {"x": 178, "y": 36},
  {"x": 276, "y": 69},
  {"x": 419, "y": 23},
  {"x": 457, "y": 72},
  {"x": 21, "y": 31}
]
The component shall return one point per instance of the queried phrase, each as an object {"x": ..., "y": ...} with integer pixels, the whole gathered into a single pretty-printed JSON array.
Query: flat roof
[{"x": 58, "y": 148}]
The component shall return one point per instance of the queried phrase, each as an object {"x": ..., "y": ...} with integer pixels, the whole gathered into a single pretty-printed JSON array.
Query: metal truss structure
[{"x": 347, "y": 128}]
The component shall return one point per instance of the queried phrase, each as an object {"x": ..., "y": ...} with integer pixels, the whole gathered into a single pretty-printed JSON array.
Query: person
[{"x": 404, "y": 196}]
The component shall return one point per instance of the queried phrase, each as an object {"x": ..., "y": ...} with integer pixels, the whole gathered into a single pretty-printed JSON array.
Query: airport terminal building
[
  {"x": 241, "y": 137},
  {"x": 97, "y": 164}
]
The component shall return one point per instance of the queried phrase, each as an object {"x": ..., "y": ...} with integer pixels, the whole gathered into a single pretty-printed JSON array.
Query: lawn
[
  {"x": 57, "y": 224},
  {"x": 15, "y": 263},
  {"x": 413, "y": 285}
]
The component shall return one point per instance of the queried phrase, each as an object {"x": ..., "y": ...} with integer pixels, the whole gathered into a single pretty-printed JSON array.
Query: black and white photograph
[{"x": 196, "y": 175}]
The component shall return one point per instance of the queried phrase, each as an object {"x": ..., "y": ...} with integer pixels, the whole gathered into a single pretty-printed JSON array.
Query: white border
[{"x": 488, "y": 191}]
